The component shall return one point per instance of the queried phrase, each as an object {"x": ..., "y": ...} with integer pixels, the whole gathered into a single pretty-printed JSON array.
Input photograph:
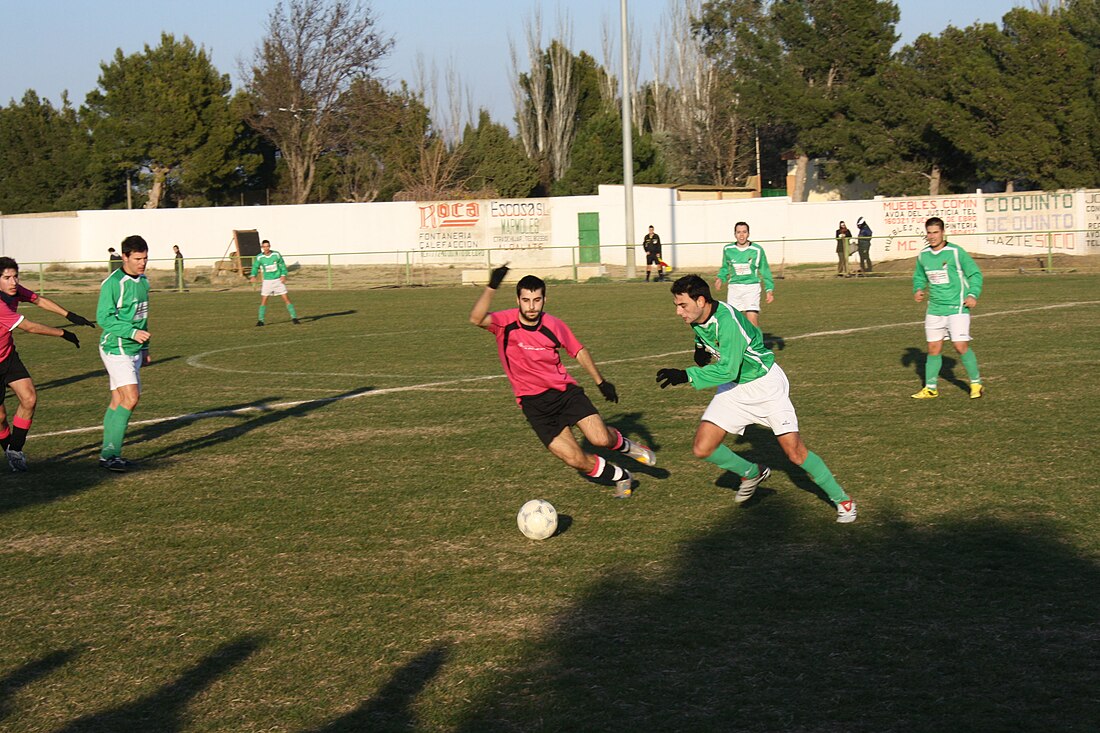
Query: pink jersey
[
  {"x": 529, "y": 354},
  {"x": 10, "y": 318}
]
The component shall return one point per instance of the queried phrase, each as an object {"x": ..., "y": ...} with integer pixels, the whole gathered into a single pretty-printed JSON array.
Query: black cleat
[
  {"x": 114, "y": 463},
  {"x": 295, "y": 321},
  {"x": 259, "y": 323}
]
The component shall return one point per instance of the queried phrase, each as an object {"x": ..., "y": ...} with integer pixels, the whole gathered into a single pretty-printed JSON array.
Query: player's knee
[
  {"x": 28, "y": 402},
  {"x": 702, "y": 450}
]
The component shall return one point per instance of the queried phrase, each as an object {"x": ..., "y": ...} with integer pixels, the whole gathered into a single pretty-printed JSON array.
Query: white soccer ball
[{"x": 537, "y": 519}]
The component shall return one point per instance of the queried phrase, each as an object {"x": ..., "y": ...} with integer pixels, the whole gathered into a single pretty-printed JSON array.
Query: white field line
[{"x": 195, "y": 361}]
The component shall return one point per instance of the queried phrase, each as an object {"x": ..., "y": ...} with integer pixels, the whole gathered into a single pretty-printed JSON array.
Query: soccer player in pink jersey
[
  {"x": 528, "y": 341},
  {"x": 12, "y": 372}
]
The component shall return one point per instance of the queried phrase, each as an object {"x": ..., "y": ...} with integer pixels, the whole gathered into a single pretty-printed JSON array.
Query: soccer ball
[{"x": 537, "y": 519}]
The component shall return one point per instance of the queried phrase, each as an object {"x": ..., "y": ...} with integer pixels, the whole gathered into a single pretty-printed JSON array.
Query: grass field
[{"x": 322, "y": 535}]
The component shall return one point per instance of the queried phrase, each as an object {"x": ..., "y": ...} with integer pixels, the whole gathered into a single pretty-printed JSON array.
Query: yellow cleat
[
  {"x": 928, "y": 393},
  {"x": 976, "y": 390}
]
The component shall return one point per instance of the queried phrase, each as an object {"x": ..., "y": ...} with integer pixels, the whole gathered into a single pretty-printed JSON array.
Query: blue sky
[{"x": 56, "y": 45}]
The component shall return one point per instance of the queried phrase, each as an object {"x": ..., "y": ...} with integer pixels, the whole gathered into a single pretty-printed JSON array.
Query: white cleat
[
  {"x": 17, "y": 460},
  {"x": 642, "y": 454},
  {"x": 748, "y": 485},
  {"x": 846, "y": 511}
]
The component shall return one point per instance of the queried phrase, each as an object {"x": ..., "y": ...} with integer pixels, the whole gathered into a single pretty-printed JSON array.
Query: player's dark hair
[
  {"x": 532, "y": 283},
  {"x": 935, "y": 221},
  {"x": 7, "y": 263},
  {"x": 134, "y": 243},
  {"x": 266, "y": 241},
  {"x": 693, "y": 287},
  {"x": 742, "y": 223}
]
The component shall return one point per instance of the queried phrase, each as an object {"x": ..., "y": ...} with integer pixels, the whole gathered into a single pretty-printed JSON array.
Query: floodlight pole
[{"x": 628, "y": 147}]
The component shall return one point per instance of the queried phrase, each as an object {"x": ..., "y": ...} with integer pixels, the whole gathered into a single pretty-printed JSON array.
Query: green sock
[
  {"x": 263, "y": 310},
  {"x": 293, "y": 313},
  {"x": 932, "y": 370},
  {"x": 823, "y": 477},
  {"x": 971, "y": 363},
  {"x": 725, "y": 458},
  {"x": 110, "y": 448}
]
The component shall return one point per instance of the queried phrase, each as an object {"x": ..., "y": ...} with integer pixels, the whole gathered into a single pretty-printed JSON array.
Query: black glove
[
  {"x": 666, "y": 377},
  {"x": 607, "y": 389},
  {"x": 498, "y": 276},
  {"x": 79, "y": 320},
  {"x": 71, "y": 338},
  {"x": 702, "y": 356}
]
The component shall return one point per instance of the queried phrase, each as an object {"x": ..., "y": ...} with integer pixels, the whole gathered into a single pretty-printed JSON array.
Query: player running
[
  {"x": 13, "y": 374},
  {"x": 752, "y": 389},
  {"x": 953, "y": 283},
  {"x": 273, "y": 267},
  {"x": 528, "y": 341},
  {"x": 744, "y": 265}
]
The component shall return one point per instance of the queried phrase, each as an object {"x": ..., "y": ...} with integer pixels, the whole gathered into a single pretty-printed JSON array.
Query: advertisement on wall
[
  {"x": 1092, "y": 222},
  {"x": 460, "y": 232},
  {"x": 903, "y": 220},
  {"x": 1026, "y": 221}
]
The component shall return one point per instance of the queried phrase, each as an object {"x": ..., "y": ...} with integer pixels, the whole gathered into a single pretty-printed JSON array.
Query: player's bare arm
[
  {"x": 607, "y": 389},
  {"x": 73, "y": 318},
  {"x": 44, "y": 330},
  {"x": 479, "y": 316}
]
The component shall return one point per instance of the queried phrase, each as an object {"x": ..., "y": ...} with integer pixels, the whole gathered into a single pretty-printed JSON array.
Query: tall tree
[
  {"x": 312, "y": 52},
  {"x": 598, "y": 157},
  {"x": 166, "y": 111},
  {"x": 495, "y": 163},
  {"x": 45, "y": 159},
  {"x": 796, "y": 62}
]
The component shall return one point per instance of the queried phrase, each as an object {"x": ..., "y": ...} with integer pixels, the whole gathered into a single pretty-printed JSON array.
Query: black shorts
[
  {"x": 653, "y": 258},
  {"x": 12, "y": 370},
  {"x": 552, "y": 411}
]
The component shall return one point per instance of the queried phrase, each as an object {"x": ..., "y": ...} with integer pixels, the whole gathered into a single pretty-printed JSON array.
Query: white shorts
[
  {"x": 273, "y": 287},
  {"x": 765, "y": 401},
  {"x": 744, "y": 297},
  {"x": 123, "y": 369},
  {"x": 957, "y": 326}
]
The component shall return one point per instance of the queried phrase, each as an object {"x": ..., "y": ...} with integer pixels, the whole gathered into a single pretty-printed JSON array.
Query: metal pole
[{"x": 628, "y": 147}]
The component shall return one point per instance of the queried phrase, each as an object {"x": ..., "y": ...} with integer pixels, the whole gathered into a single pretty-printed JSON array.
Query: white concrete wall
[{"x": 693, "y": 231}]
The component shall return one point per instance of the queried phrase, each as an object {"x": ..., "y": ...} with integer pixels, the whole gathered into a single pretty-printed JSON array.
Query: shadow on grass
[
  {"x": 774, "y": 342},
  {"x": 631, "y": 425},
  {"x": 773, "y": 623},
  {"x": 390, "y": 708},
  {"x": 94, "y": 374},
  {"x": 164, "y": 710},
  {"x": 29, "y": 673},
  {"x": 249, "y": 423},
  {"x": 917, "y": 358},
  {"x": 326, "y": 315}
]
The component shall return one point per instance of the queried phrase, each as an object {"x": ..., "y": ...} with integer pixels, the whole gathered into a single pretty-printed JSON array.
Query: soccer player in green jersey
[
  {"x": 271, "y": 264},
  {"x": 752, "y": 390},
  {"x": 952, "y": 283},
  {"x": 123, "y": 314},
  {"x": 744, "y": 264}
]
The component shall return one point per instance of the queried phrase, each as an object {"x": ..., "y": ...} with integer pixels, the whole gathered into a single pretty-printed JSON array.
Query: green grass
[{"x": 323, "y": 564}]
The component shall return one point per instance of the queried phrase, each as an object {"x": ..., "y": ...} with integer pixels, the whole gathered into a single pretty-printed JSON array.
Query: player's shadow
[
  {"x": 774, "y": 342},
  {"x": 164, "y": 710},
  {"x": 93, "y": 374},
  {"x": 326, "y": 315},
  {"x": 154, "y": 431},
  {"x": 917, "y": 358},
  {"x": 391, "y": 706},
  {"x": 248, "y": 424},
  {"x": 759, "y": 445},
  {"x": 29, "y": 673},
  {"x": 764, "y": 623}
]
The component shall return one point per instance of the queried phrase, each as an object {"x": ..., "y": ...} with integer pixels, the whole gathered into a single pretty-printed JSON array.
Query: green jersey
[
  {"x": 271, "y": 264},
  {"x": 745, "y": 265},
  {"x": 123, "y": 310},
  {"x": 949, "y": 275},
  {"x": 736, "y": 348}
]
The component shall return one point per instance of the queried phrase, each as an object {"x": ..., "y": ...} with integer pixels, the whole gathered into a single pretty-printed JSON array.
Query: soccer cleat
[
  {"x": 748, "y": 485},
  {"x": 17, "y": 460},
  {"x": 976, "y": 390},
  {"x": 624, "y": 487},
  {"x": 926, "y": 393},
  {"x": 642, "y": 454},
  {"x": 295, "y": 321},
  {"x": 846, "y": 511},
  {"x": 114, "y": 463},
  {"x": 259, "y": 323}
]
